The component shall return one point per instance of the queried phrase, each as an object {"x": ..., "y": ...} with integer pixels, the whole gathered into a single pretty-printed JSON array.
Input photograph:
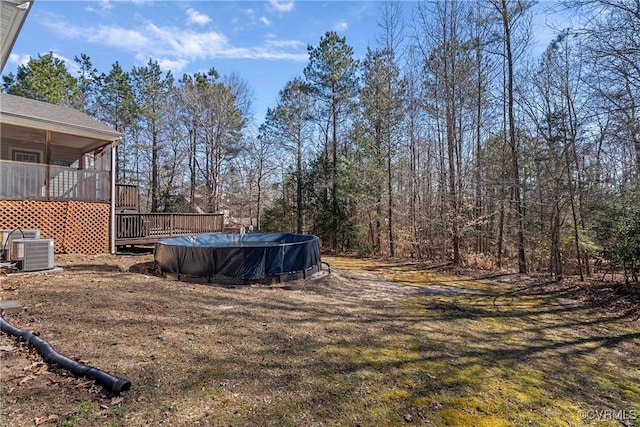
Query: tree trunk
[
  {"x": 192, "y": 165},
  {"x": 392, "y": 249},
  {"x": 513, "y": 142},
  {"x": 334, "y": 174},
  {"x": 154, "y": 169},
  {"x": 555, "y": 260},
  {"x": 299, "y": 213}
]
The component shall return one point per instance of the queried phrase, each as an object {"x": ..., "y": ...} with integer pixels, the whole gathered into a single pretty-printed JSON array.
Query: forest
[{"x": 450, "y": 140}]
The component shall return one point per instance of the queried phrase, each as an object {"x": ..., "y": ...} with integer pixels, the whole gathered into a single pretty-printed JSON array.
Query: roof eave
[
  {"x": 16, "y": 20},
  {"x": 54, "y": 126}
]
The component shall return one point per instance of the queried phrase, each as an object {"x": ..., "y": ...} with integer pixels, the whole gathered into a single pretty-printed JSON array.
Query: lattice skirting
[{"x": 76, "y": 227}]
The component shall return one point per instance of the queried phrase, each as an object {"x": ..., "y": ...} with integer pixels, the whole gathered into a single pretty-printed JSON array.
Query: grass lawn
[{"x": 372, "y": 343}]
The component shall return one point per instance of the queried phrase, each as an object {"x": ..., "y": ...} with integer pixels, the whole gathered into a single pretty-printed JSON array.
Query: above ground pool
[{"x": 250, "y": 257}]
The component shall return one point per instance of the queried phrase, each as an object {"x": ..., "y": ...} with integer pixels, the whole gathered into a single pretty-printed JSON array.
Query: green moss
[
  {"x": 469, "y": 418},
  {"x": 631, "y": 391},
  {"x": 86, "y": 410}
]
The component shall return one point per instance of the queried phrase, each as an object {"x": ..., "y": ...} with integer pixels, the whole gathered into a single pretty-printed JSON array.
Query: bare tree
[
  {"x": 290, "y": 124},
  {"x": 448, "y": 65},
  {"x": 511, "y": 13},
  {"x": 151, "y": 91}
]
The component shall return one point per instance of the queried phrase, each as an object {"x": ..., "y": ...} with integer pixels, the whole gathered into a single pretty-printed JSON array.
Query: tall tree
[
  {"x": 151, "y": 94},
  {"x": 262, "y": 159},
  {"x": 450, "y": 84},
  {"x": 44, "y": 78},
  {"x": 612, "y": 38},
  {"x": 510, "y": 12},
  {"x": 391, "y": 37},
  {"x": 289, "y": 123},
  {"x": 191, "y": 95},
  {"x": 214, "y": 111},
  {"x": 414, "y": 118},
  {"x": 89, "y": 82},
  {"x": 381, "y": 97},
  {"x": 222, "y": 122},
  {"x": 117, "y": 108},
  {"x": 482, "y": 68},
  {"x": 331, "y": 72}
]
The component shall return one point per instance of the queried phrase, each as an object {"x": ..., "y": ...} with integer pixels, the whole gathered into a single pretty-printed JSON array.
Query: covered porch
[{"x": 56, "y": 176}]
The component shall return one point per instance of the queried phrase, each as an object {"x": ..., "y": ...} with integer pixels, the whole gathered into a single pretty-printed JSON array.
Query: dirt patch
[{"x": 372, "y": 343}]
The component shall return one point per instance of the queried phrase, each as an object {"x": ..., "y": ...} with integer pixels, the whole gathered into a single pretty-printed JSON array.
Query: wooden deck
[
  {"x": 126, "y": 198},
  {"x": 148, "y": 228}
]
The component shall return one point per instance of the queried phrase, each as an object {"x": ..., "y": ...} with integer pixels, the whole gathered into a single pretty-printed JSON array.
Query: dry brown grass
[{"x": 371, "y": 344}]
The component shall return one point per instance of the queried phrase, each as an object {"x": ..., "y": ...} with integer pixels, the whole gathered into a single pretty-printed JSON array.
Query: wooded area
[{"x": 450, "y": 140}]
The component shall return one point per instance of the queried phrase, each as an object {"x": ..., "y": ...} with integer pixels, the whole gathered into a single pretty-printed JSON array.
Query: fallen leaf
[
  {"x": 116, "y": 400},
  {"x": 37, "y": 367},
  {"x": 27, "y": 378},
  {"x": 408, "y": 418},
  {"x": 42, "y": 420},
  {"x": 83, "y": 384}
]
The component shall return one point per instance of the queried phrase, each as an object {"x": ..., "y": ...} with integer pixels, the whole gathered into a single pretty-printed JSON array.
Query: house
[
  {"x": 56, "y": 163},
  {"x": 56, "y": 174}
]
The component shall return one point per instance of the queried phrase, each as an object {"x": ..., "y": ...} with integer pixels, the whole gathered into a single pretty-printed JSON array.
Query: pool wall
[{"x": 264, "y": 257}]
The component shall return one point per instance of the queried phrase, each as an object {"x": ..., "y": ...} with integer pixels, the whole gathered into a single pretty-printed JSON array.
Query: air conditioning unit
[
  {"x": 6, "y": 236},
  {"x": 32, "y": 254}
]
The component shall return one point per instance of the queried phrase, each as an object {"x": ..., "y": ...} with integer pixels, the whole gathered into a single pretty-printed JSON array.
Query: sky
[{"x": 263, "y": 42}]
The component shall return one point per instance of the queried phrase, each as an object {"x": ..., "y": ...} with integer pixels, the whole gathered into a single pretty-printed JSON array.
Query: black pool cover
[{"x": 251, "y": 256}]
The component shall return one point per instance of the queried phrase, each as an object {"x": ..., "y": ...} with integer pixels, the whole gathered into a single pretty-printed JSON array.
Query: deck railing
[
  {"x": 20, "y": 180},
  {"x": 134, "y": 228},
  {"x": 126, "y": 197}
]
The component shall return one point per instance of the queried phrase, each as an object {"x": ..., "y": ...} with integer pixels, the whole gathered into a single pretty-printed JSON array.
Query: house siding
[
  {"x": 76, "y": 227},
  {"x": 59, "y": 154},
  {"x": 65, "y": 155}
]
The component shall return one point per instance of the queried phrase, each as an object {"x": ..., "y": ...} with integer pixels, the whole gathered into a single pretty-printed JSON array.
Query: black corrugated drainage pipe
[{"x": 110, "y": 383}]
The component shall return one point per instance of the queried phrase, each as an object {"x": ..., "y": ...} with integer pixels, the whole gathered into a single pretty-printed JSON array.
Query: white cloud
[
  {"x": 185, "y": 43},
  {"x": 273, "y": 41},
  {"x": 174, "y": 48},
  {"x": 195, "y": 17},
  {"x": 102, "y": 5},
  {"x": 341, "y": 26},
  {"x": 117, "y": 37},
  {"x": 105, "y": 4},
  {"x": 265, "y": 20},
  {"x": 99, "y": 7},
  {"x": 18, "y": 59},
  {"x": 262, "y": 52},
  {"x": 175, "y": 65},
  {"x": 282, "y": 6},
  {"x": 71, "y": 65}
]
